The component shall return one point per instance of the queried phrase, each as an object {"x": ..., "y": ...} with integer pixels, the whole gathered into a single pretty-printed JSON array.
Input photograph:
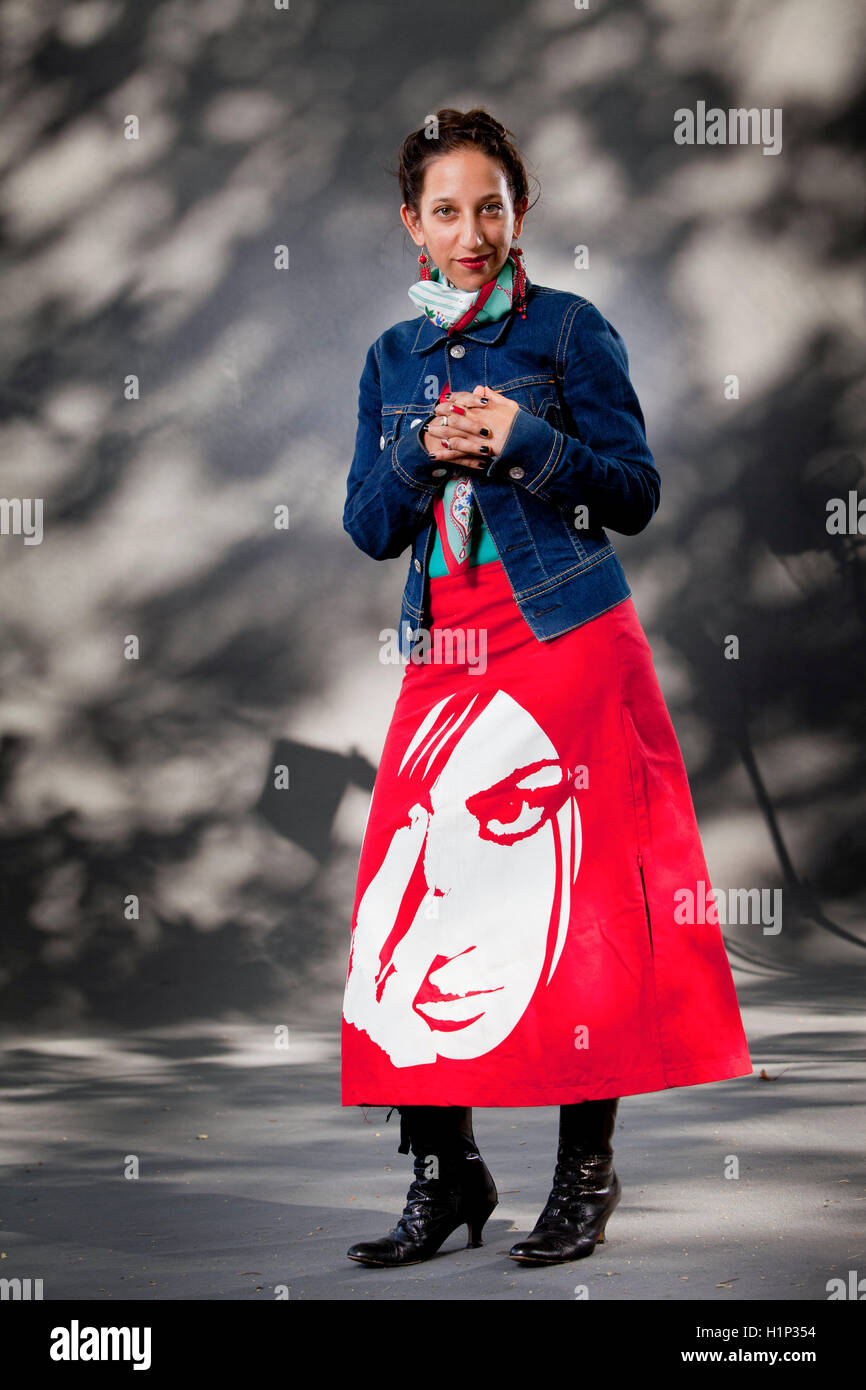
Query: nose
[{"x": 470, "y": 236}]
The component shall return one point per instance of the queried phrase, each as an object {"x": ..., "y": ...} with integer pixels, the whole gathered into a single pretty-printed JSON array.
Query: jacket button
[
  {"x": 417, "y": 564},
  {"x": 458, "y": 350},
  {"x": 516, "y": 472},
  {"x": 381, "y": 441},
  {"x": 439, "y": 472}
]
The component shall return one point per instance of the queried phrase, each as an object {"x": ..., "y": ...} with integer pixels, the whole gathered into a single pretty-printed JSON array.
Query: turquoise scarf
[{"x": 445, "y": 305}]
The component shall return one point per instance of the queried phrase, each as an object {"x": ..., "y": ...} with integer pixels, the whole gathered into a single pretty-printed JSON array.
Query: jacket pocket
[
  {"x": 392, "y": 424},
  {"x": 535, "y": 394},
  {"x": 551, "y": 411}
]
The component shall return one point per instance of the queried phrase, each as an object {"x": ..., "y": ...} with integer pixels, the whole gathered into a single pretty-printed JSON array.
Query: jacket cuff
[
  {"x": 411, "y": 461},
  {"x": 529, "y": 449}
]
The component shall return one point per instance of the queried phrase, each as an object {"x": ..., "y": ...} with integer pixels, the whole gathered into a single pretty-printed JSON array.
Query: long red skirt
[{"x": 529, "y": 924}]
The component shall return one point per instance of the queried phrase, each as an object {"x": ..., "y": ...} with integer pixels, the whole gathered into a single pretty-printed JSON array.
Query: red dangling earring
[
  {"x": 425, "y": 266},
  {"x": 519, "y": 281}
]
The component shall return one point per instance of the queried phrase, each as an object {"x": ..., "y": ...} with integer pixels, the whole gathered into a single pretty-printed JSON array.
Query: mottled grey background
[{"x": 155, "y": 257}]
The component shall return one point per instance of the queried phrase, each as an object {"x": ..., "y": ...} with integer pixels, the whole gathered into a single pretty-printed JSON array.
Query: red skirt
[{"x": 530, "y": 923}]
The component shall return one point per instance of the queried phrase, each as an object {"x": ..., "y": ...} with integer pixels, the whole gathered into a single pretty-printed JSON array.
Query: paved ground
[{"x": 253, "y": 1176}]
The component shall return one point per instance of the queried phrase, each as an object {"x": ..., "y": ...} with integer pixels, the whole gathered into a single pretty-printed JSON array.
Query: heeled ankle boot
[
  {"x": 452, "y": 1185},
  {"x": 585, "y": 1187}
]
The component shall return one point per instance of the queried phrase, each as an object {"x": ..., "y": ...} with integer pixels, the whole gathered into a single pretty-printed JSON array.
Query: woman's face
[
  {"x": 466, "y": 217},
  {"x": 469, "y": 908}
]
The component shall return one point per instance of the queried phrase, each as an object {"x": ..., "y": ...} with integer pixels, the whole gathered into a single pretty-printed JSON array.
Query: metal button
[
  {"x": 458, "y": 350},
  {"x": 516, "y": 472},
  {"x": 381, "y": 441},
  {"x": 417, "y": 564},
  {"x": 439, "y": 472},
  {"x": 415, "y": 423}
]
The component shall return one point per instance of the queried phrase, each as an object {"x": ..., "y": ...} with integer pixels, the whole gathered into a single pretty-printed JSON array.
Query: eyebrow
[
  {"x": 449, "y": 198},
  {"x": 545, "y": 774},
  {"x": 541, "y": 778}
]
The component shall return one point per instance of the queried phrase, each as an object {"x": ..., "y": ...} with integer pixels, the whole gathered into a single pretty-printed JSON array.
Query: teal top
[{"x": 481, "y": 548}]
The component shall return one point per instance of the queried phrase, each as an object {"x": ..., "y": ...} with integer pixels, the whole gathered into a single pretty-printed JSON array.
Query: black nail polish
[
  {"x": 486, "y": 433},
  {"x": 483, "y": 448}
]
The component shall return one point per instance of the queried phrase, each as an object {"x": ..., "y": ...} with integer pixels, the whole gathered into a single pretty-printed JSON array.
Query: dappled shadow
[{"x": 148, "y": 774}]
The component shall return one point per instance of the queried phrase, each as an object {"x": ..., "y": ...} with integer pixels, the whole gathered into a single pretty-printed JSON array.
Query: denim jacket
[{"x": 575, "y": 460}]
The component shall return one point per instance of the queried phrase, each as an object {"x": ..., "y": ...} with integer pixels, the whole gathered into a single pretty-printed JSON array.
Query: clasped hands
[{"x": 471, "y": 427}]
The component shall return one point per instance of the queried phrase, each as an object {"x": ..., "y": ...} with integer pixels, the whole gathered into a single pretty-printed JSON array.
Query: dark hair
[{"x": 456, "y": 130}]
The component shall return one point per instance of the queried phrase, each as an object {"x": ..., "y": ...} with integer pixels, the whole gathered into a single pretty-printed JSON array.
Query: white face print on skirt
[{"x": 473, "y": 897}]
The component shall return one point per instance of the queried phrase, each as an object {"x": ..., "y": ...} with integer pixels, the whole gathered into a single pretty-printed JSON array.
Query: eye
[
  {"x": 497, "y": 207},
  {"x": 445, "y": 208},
  {"x": 521, "y": 803}
]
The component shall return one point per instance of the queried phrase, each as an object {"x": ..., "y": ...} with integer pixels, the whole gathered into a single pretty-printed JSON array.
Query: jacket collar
[{"x": 429, "y": 336}]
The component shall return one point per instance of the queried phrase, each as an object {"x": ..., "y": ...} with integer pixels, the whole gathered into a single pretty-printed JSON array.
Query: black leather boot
[
  {"x": 451, "y": 1186},
  {"x": 585, "y": 1187}
]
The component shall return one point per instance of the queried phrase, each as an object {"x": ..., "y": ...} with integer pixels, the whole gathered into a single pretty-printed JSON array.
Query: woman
[{"x": 530, "y": 923}]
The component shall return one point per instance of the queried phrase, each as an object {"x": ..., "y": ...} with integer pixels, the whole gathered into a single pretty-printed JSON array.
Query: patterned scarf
[
  {"x": 455, "y": 310},
  {"x": 448, "y": 307}
]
